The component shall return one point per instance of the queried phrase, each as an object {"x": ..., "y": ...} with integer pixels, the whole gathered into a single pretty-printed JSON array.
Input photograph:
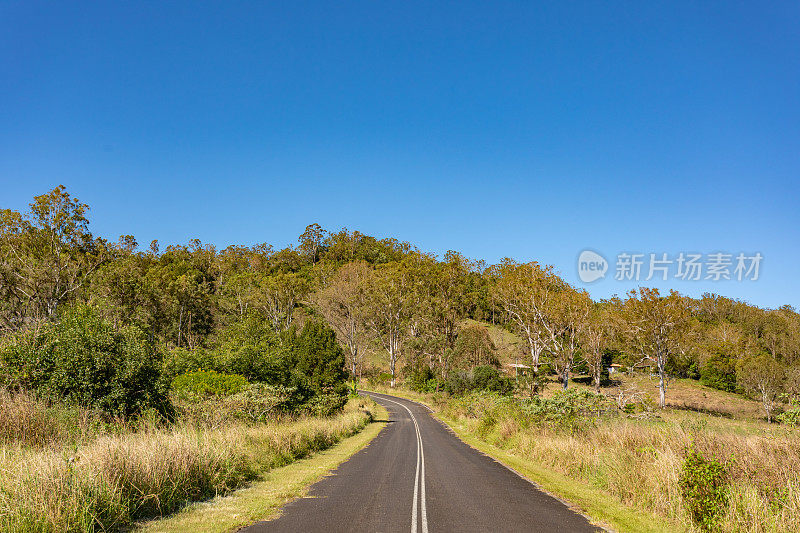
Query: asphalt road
[{"x": 417, "y": 476}]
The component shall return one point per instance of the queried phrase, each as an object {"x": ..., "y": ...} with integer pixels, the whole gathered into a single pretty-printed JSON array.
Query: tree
[
  {"x": 311, "y": 242},
  {"x": 389, "y": 290},
  {"x": 594, "y": 334},
  {"x": 562, "y": 319},
  {"x": 439, "y": 305},
  {"x": 318, "y": 358},
  {"x": 277, "y": 295},
  {"x": 524, "y": 291},
  {"x": 761, "y": 375},
  {"x": 46, "y": 256},
  {"x": 343, "y": 304},
  {"x": 653, "y": 328},
  {"x": 474, "y": 347}
]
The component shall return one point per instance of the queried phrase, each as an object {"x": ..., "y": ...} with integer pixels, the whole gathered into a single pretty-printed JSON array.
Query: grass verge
[
  {"x": 108, "y": 483},
  {"x": 596, "y": 504},
  {"x": 263, "y": 499}
]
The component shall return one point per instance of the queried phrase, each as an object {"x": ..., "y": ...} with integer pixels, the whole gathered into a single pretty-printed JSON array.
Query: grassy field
[{"x": 67, "y": 470}]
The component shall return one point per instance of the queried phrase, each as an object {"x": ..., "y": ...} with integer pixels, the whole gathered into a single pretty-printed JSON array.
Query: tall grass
[
  {"x": 109, "y": 482},
  {"x": 27, "y": 421},
  {"x": 640, "y": 461}
]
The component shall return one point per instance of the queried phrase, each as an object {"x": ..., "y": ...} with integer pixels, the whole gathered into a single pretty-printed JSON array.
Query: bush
[
  {"x": 704, "y": 489},
  {"x": 719, "y": 372},
  {"x": 422, "y": 379},
  {"x": 489, "y": 378},
  {"x": 486, "y": 378},
  {"x": 182, "y": 361},
  {"x": 84, "y": 361},
  {"x": 325, "y": 404},
  {"x": 791, "y": 417},
  {"x": 565, "y": 407},
  {"x": 318, "y": 359},
  {"x": 207, "y": 383},
  {"x": 260, "y": 402}
]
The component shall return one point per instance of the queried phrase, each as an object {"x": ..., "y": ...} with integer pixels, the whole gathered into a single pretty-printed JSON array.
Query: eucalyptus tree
[
  {"x": 525, "y": 292},
  {"x": 47, "y": 255},
  {"x": 595, "y": 333},
  {"x": 343, "y": 303},
  {"x": 390, "y": 293},
  {"x": 562, "y": 319},
  {"x": 654, "y": 329},
  {"x": 762, "y": 376}
]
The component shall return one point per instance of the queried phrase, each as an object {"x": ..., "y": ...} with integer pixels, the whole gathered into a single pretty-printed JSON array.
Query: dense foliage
[
  {"x": 298, "y": 317},
  {"x": 83, "y": 360}
]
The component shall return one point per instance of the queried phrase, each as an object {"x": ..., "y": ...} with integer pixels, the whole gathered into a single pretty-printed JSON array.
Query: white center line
[{"x": 419, "y": 480}]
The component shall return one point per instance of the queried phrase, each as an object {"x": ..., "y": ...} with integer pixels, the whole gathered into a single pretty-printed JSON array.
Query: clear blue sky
[{"x": 497, "y": 129}]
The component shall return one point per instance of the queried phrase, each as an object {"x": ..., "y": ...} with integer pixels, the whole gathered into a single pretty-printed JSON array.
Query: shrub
[
  {"x": 182, "y": 361},
  {"x": 318, "y": 359},
  {"x": 83, "y": 360},
  {"x": 259, "y": 402},
  {"x": 791, "y": 417},
  {"x": 489, "y": 378},
  {"x": 704, "y": 488},
  {"x": 486, "y": 378},
  {"x": 422, "y": 379},
  {"x": 719, "y": 372},
  {"x": 325, "y": 404},
  {"x": 207, "y": 383}
]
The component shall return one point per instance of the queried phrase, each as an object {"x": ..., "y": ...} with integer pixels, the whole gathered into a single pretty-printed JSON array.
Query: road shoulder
[{"x": 263, "y": 499}]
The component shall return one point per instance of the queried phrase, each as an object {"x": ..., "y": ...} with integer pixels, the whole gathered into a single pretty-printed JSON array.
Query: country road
[{"x": 417, "y": 476}]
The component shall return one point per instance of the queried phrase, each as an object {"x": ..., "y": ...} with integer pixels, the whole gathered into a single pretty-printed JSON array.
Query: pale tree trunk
[
  {"x": 597, "y": 374},
  {"x": 662, "y": 382},
  {"x": 767, "y": 403},
  {"x": 393, "y": 348},
  {"x": 391, "y": 366}
]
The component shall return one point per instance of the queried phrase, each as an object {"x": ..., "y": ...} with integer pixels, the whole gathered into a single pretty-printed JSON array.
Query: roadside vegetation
[{"x": 686, "y": 407}]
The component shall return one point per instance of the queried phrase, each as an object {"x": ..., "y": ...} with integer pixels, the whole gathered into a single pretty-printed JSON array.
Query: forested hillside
[{"x": 302, "y": 315}]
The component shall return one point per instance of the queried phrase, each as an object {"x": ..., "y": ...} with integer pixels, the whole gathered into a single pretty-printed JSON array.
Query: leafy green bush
[
  {"x": 565, "y": 406},
  {"x": 83, "y": 360},
  {"x": 318, "y": 359},
  {"x": 791, "y": 417},
  {"x": 182, "y": 361},
  {"x": 704, "y": 488},
  {"x": 719, "y": 372},
  {"x": 422, "y": 379},
  {"x": 207, "y": 383},
  {"x": 486, "y": 378},
  {"x": 325, "y": 404}
]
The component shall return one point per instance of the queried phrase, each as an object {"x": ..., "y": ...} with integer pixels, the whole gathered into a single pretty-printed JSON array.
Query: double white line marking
[{"x": 419, "y": 478}]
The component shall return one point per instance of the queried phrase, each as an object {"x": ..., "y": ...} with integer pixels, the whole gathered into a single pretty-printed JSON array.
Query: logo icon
[{"x": 591, "y": 266}]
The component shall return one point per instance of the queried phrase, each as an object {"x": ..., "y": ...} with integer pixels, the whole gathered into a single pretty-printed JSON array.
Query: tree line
[{"x": 379, "y": 296}]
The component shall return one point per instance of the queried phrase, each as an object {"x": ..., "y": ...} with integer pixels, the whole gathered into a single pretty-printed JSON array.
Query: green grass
[{"x": 263, "y": 499}]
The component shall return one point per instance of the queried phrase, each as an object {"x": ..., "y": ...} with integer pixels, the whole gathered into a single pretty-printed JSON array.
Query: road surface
[{"x": 417, "y": 476}]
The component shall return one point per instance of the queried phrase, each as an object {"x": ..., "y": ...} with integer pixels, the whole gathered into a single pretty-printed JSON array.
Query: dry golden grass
[
  {"x": 639, "y": 462},
  {"x": 107, "y": 483},
  {"x": 30, "y": 422}
]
